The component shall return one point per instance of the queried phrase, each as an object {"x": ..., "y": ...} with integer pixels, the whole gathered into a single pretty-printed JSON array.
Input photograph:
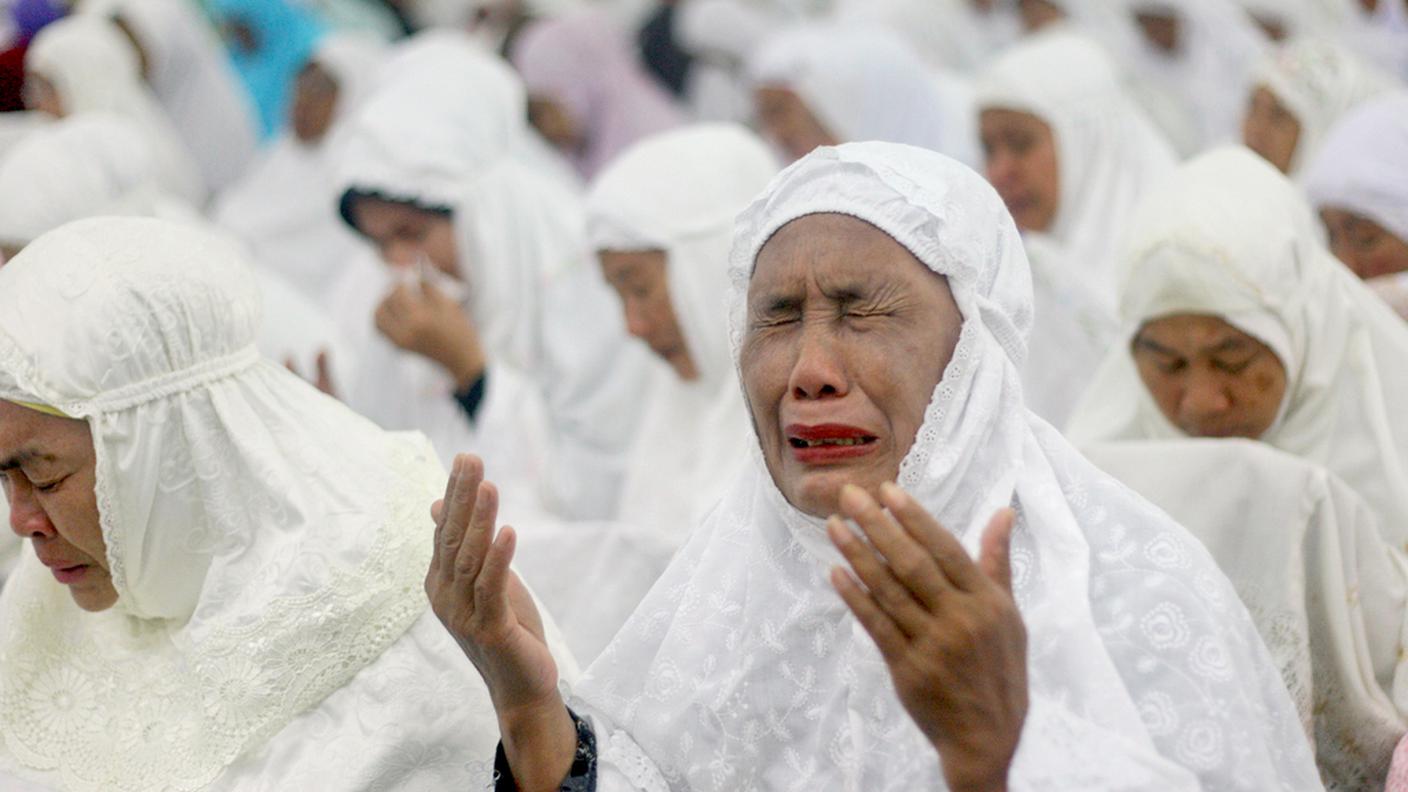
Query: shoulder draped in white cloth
[
  {"x": 1108, "y": 152},
  {"x": 267, "y": 546},
  {"x": 1231, "y": 237},
  {"x": 743, "y": 670}
]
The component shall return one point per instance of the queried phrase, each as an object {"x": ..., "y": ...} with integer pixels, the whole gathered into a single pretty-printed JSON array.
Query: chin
[
  {"x": 94, "y": 601},
  {"x": 818, "y": 492}
]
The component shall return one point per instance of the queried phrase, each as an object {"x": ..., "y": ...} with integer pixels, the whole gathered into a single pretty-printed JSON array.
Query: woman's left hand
[
  {"x": 422, "y": 319},
  {"x": 948, "y": 628}
]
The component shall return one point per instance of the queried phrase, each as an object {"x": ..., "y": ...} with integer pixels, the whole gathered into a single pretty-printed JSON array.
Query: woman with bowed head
[{"x": 913, "y": 584}]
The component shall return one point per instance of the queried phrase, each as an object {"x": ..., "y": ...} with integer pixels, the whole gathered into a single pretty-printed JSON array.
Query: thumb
[{"x": 995, "y": 554}]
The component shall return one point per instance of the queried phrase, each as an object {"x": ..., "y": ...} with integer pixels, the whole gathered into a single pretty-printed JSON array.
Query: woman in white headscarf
[
  {"x": 1354, "y": 183},
  {"x": 661, "y": 220},
  {"x": 520, "y": 348},
  {"x": 744, "y": 669},
  {"x": 188, "y": 69},
  {"x": 1299, "y": 91},
  {"x": 1240, "y": 323},
  {"x": 1328, "y": 595},
  {"x": 226, "y": 587},
  {"x": 285, "y": 207},
  {"x": 825, "y": 83},
  {"x": 84, "y": 64}
]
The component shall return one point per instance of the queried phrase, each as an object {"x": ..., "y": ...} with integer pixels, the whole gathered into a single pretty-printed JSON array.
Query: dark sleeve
[
  {"x": 471, "y": 398},
  {"x": 582, "y": 776}
]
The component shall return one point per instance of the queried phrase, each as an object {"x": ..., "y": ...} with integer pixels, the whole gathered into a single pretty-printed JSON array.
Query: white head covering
[
  {"x": 1359, "y": 165},
  {"x": 867, "y": 83},
  {"x": 191, "y": 75},
  {"x": 265, "y": 542},
  {"x": 637, "y": 204},
  {"x": 1231, "y": 237},
  {"x": 1328, "y": 596},
  {"x": 1319, "y": 81},
  {"x": 94, "y": 68},
  {"x": 1108, "y": 152},
  {"x": 945, "y": 33},
  {"x": 743, "y": 669}
]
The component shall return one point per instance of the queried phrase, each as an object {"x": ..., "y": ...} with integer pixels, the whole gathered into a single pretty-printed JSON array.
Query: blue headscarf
[{"x": 284, "y": 37}]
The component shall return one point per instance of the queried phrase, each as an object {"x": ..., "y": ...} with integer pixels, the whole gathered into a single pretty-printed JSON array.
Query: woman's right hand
[{"x": 492, "y": 617}]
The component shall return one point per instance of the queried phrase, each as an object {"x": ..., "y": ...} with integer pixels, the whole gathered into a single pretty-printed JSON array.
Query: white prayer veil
[
  {"x": 1230, "y": 236},
  {"x": 1108, "y": 152},
  {"x": 742, "y": 669},
  {"x": 1318, "y": 80},
  {"x": 265, "y": 542},
  {"x": 1360, "y": 165},
  {"x": 694, "y": 435},
  {"x": 94, "y": 68},
  {"x": 867, "y": 83}
]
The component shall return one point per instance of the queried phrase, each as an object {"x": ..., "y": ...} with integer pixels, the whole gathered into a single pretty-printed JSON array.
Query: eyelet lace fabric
[
  {"x": 266, "y": 543},
  {"x": 743, "y": 670}
]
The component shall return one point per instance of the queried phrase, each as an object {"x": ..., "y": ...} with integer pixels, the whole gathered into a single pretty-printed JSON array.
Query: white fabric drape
[
  {"x": 267, "y": 544},
  {"x": 1108, "y": 152},
  {"x": 541, "y": 310},
  {"x": 693, "y": 436},
  {"x": 191, "y": 75},
  {"x": 1356, "y": 168},
  {"x": 1230, "y": 236},
  {"x": 1328, "y": 595},
  {"x": 866, "y": 83},
  {"x": 742, "y": 669},
  {"x": 1319, "y": 81},
  {"x": 93, "y": 68}
]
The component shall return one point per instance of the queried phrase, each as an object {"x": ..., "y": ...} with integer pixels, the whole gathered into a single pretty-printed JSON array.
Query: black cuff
[
  {"x": 472, "y": 398},
  {"x": 582, "y": 776}
]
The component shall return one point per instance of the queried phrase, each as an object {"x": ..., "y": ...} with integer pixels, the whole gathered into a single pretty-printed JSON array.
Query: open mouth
[
  {"x": 844, "y": 442},
  {"x": 828, "y": 442}
]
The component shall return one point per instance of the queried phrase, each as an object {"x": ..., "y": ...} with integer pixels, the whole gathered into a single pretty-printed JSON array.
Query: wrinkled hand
[
  {"x": 422, "y": 319},
  {"x": 322, "y": 376},
  {"x": 948, "y": 628},
  {"x": 491, "y": 615}
]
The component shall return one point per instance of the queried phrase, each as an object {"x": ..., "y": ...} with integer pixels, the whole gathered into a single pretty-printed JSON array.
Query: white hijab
[
  {"x": 743, "y": 669},
  {"x": 1108, "y": 153},
  {"x": 637, "y": 204},
  {"x": 1358, "y": 166},
  {"x": 1230, "y": 236},
  {"x": 1328, "y": 595},
  {"x": 267, "y": 545},
  {"x": 1319, "y": 81},
  {"x": 191, "y": 74},
  {"x": 867, "y": 83},
  {"x": 93, "y": 68}
]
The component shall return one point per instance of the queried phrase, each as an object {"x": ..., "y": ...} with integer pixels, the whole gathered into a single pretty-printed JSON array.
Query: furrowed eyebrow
[
  {"x": 781, "y": 303},
  {"x": 23, "y": 457},
  {"x": 1229, "y": 345},
  {"x": 1153, "y": 346}
]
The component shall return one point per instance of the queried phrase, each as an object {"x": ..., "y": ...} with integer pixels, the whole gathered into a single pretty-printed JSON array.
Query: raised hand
[
  {"x": 422, "y": 319},
  {"x": 492, "y": 617},
  {"x": 948, "y": 628}
]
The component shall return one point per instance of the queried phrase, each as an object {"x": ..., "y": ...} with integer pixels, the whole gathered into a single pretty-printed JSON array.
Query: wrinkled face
[
  {"x": 314, "y": 103},
  {"x": 403, "y": 233},
  {"x": 49, "y": 468},
  {"x": 41, "y": 96},
  {"x": 1209, "y": 378},
  {"x": 555, "y": 123},
  {"x": 1022, "y": 164},
  {"x": 1037, "y": 14},
  {"x": 847, "y": 336},
  {"x": 642, "y": 281},
  {"x": 789, "y": 123},
  {"x": 1366, "y": 247},
  {"x": 1161, "y": 30},
  {"x": 1270, "y": 129}
]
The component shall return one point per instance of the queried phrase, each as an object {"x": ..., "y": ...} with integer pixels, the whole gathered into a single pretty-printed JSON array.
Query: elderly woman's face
[
  {"x": 641, "y": 280},
  {"x": 1366, "y": 247},
  {"x": 1022, "y": 164},
  {"x": 48, "y": 465},
  {"x": 1270, "y": 129},
  {"x": 1209, "y": 378},
  {"x": 789, "y": 123},
  {"x": 847, "y": 336}
]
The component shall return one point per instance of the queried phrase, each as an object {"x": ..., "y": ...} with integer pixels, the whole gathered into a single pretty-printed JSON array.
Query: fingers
[
  {"x": 458, "y": 509},
  {"x": 955, "y": 566},
  {"x": 437, "y": 513},
  {"x": 887, "y": 635},
  {"x": 909, "y": 560},
  {"x": 885, "y": 589},
  {"x": 480, "y": 534},
  {"x": 491, "y": 586},
  {"x": 323, "y": 372},
  {"x": 995, "y": 555}
]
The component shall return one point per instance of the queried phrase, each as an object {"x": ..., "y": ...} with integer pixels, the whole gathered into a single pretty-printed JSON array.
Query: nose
[
  {"x": 638, "y": 324},
  {"x": 399, "y": 254},
  {"x": 27, "y": 519},
  {"x": 1204, "y": 397},
  {"x": 1003, "y": 172},
  {"x": 819, "y": 372}
]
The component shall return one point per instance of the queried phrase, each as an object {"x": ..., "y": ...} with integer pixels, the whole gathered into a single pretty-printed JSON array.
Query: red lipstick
[{"x": 823, "y": 444}]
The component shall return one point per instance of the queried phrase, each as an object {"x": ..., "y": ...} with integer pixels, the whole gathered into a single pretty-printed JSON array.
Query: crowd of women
[{"x": 882, "y": 393}]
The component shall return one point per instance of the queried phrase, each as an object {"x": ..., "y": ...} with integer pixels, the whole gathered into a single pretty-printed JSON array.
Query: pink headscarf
[
  {"x": 1398, "y": 771},
  {"x": 582, "y": 61}
]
